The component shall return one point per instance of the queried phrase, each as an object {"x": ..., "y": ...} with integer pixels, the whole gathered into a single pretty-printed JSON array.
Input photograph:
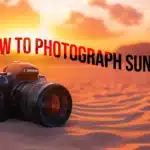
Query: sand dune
[{"x": 111, "y": 112}]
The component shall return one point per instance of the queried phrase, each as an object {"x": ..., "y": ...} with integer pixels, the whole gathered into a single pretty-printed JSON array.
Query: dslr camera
[{"x": 26, "y": 95}]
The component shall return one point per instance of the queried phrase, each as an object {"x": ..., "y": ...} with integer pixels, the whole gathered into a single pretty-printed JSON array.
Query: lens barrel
[
  {"x": 3, "y": 110},
  {"x": 49, "y": 104}
]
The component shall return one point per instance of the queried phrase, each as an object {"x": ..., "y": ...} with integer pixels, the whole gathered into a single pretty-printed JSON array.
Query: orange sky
[{"x": 96, "y": 23}]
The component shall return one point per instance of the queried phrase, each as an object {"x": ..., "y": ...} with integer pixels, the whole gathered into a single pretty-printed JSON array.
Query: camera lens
[
  {"x": 55, "y": 105},
  {"x": 49, "y": 104}
]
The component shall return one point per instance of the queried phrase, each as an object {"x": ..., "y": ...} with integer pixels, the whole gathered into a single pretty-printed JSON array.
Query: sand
[{"x": 111, "y": 111}]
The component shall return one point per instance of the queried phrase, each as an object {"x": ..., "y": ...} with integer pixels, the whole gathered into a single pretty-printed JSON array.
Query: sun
[
  {"x": 52, "y": 10},
  {"x": 38, "y": 33}
]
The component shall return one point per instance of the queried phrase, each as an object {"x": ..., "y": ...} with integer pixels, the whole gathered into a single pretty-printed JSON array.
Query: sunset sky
[{"x": 96, "y": 23}]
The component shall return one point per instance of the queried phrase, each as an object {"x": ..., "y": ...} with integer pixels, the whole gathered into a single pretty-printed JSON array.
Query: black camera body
[{"x": 26, "y": 95}]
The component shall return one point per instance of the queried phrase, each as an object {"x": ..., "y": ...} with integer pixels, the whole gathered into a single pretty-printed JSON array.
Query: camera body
[{"x": 25, "y": 94}]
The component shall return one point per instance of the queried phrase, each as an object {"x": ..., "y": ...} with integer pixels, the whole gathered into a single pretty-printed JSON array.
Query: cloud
[
  {"x": 100, "y": 3},
  {"x": 83, "y": 27},
  {"x": 9, "y": 2},
  {"x": 17, "y": 15},
  {"x": 125, "y": 14}
]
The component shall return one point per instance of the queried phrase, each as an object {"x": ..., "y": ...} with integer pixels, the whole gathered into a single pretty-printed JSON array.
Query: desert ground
[{"x": 111, "y": 111}]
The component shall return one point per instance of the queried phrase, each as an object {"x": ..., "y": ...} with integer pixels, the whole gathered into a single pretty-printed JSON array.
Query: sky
[{"x": 101, "y": 24}]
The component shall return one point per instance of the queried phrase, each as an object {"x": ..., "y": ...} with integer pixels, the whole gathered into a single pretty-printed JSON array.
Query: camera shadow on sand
[{"x": 28, "y": 136}]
